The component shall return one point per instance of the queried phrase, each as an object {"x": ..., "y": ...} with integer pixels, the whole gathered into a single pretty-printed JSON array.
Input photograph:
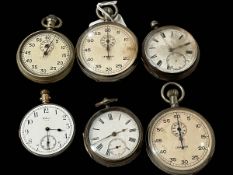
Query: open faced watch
[
  {"x": 107, "y": 50},
  {"x": 113, "y": 135},
  {"x": 179, "y": 140},
  {"x": 46, "y": 56},
  {"x": 170, "y": 52},
  {"x": 48, "y": 129}
]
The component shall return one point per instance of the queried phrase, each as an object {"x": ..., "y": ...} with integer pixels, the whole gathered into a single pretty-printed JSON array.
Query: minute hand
[{"x": 180, "y": 46}]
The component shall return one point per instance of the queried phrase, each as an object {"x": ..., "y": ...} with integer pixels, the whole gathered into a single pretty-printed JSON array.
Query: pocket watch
[
  {"x": 113, "y": 135},
  {"x": 48, "y": 129},
  {"x": 179, "y": 140},
  {"x": 46, "y": 56},
  {"x": 170, "y": 52},
  {"x": 107, "y": 50}
]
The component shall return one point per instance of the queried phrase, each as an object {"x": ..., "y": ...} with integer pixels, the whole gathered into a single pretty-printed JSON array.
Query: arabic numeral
[
  {"x": 107, "y": 30},
  {"x": 63, "y": 47},
  {"x": 29, "y": 141},
  {"x": 46, "y": 110},
  {"x": 43, "y": 70},
  {"x": 87, "y": 50},
  {"x": 34, "y": 66},
  {"x": 63, "y": 55},
  {"x": 26, "y": 131},
  {"x": 38, "y": 39},
  {"x": 89, "y": 59},
  {"x": 90, "y": 40},
  {"x": 173, "y": 159},
  {"x": 97, "y": 33},
  {"x": 126, "y": 39},
  {"x": 98, "y": 66},
  {"x": 166, "y": 120},
  {"x": 27, "y": 52},
  {"x": 118, "y": 32},
  {"x": 177, "y": 116},
  {"x": 60, "y": 62},
  {"x": 184, "y": 162},
  {"x": 53, "y": 68},
  {"x": 188, "y": 118},
  {"x": 31, "y": 44},
  {"x": 195, "y": 157},
  {"x": 68, "y": 125},
  {"x": 118, "y": 65},
  {"x": 28, "y": 60},
  {"x": 202, "y": 148},
  {"x": 108, "y": 69},
  {"x": 163, "y": 151},
  {"x": 64, "y": 117}
]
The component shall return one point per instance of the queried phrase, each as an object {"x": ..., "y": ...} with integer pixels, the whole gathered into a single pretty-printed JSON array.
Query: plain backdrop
[{"x": 140, "y": 92}]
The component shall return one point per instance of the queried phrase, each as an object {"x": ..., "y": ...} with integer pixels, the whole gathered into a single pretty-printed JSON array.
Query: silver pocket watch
[
  {"x": 48, "y": 129},
  {"x": 113, "y": 135},
  {"x": 170, "y": 52},
  {"x": 46, "y": 56},
  {"x": 179, "y": 140},
  {"x": 107, "y": 50}
]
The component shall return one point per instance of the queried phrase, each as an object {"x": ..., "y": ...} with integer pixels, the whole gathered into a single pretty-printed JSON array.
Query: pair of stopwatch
[
  {"x": 179, "y": 140},
  {"x": 107, "y": 50}
]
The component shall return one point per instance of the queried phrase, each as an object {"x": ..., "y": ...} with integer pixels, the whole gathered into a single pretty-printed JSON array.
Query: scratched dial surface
[
  {"x": 170, "y": 49},
  {"x": 107, "y": 49},
  {"x": 47, "y": 130},
  {"x": 114, "y": 135},
  {"x": 180, "y": 140},
  {"x": 45, "y": 53}
]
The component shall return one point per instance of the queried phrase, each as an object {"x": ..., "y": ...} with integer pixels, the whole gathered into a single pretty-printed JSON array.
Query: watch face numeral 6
[
  {"x": 114, "y": 140},
  {"x": 44, "y": 132}
]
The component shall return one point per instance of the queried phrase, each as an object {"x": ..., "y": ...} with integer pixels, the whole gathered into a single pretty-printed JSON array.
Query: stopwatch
[
  {"x": 179, "y": 140},
  {"x": 113, "y": 135},
  {"x": 46, "y": 56},
  {"x": 107, "y": 50},
  {"x": 48, "y": 129},
  {"x": 170, "y": 52}
]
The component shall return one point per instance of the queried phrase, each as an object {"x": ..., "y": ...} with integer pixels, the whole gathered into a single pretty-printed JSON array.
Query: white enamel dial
[
  {"x": 107, "y": 49},
  {"x": 47, "y": 130},
  {"x": 180, "y": 141},
  {"x": 113, "y": 135},
  {"x": 171, "y": 49},
  {"x": 45, "y": 54}
]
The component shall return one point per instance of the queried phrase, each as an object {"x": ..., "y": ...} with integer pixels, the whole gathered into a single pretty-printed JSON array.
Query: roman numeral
[
  {"x": 132, "y": 130},
  {"x": 155, "y": 40},
  {"x": 107, "y": 152},
  {"x": 153, "y": 56},
  {"x": 101, "y": 121},
  {"x": 110, "y": 116},
  {"x": 181, "y": 37},
  {"x": 189, "y": 51},
  {"x": 162, "y": 35},
  {"x": 99, "y": 147},
  {"x": 127, "y": 122},
  {"x": 35, "y": 114},
  {"x": 95, "y": 138},
  {"x": 132, "y": 139},
  {"x": 159, "y": 63}
]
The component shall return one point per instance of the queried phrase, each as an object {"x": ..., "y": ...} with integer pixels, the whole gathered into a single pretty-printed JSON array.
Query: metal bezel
[
  {"x": 56, "y": 153},
  {"x": 108, "y": 162},
  {"x": 99, "y": 77},
  {"x": 157, "y": 162},
  {"x": 44, "y": 79},
  {"x": 168, "y": 75}
]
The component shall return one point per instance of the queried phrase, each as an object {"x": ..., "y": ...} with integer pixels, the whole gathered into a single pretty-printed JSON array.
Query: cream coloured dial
[
  {"x": 181, "y": 141},
  {"x": 107, "y": 49},
  {"x": 171, "y": 49},
  {"x": 45, "y": 54}
]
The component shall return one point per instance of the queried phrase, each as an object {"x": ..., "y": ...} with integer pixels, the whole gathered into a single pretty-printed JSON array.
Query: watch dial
[
  {"x": 47, "y": 130},
  {"x": 46, "y": 53},
  {"x": 107, "y": 49},
  {"x": 114, "y": 135},
  {"x": 181, "y": 139},
  {"x": 171, "y": 49}
]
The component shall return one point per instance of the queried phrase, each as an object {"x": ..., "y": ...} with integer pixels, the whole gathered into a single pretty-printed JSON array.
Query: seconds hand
[
  {"x": 180, "y": 135},
  {"x": 48, "y": 46},
  {"x": 108, "y": 47}
]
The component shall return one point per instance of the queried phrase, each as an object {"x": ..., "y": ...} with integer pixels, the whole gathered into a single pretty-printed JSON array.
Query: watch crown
[
  {"x": 45, "y": 96},
  {"x": 106, "y": 101}
]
